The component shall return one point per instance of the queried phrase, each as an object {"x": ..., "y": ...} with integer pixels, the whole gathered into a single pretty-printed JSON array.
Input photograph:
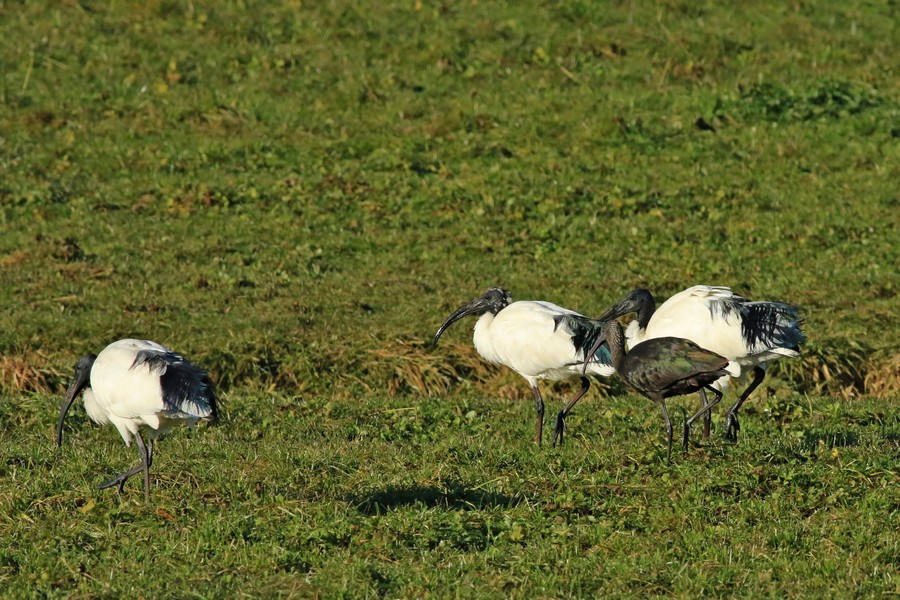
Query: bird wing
[
  {"x": 768, "y": 326},
  {"x": 184, "y": 387},
  {"x": 659, "y": 363},
  {"x": 553, "y": 308},
  {"x": 706, "y": 315},
  {"x": 134, "y": 378},
  {"x": 583, "y": 332},
  {"x": 526, "y": 337},
  {"x": 723, "y": 322}
]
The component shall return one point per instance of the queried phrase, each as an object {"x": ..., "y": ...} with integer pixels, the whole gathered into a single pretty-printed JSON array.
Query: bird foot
[
  {"x": 117, "y": 481},
  {"x": 685, "y": 436},
  {"x": 732, "y": 427},
  {"x": 560, "y": 428}
]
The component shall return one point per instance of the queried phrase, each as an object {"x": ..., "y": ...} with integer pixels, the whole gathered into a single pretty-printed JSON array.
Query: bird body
[
  {"x": 132, "y": 386},
  {"x": 660, "y": 368},
  {"x": 536, "y": 339},
  {"x": 669, "y": 366},
  {"x": 747, "y": 333},
  {"x": 136, "y": 384}
]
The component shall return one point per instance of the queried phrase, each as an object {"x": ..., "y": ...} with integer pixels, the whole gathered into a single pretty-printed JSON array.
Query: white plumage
[
  {"x": 526, "y": 338},
  {"x": 538, "y": 340},
  {"x": 748, "y": 333},
  {"x": 137, "y": 384}
]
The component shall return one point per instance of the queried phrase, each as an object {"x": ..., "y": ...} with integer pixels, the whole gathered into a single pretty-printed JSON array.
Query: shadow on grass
[{"x": 455, "y": 496}]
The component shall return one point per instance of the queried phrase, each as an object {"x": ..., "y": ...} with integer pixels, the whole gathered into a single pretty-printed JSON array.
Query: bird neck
[
  {"x": 615, "y": 339},
  {"x": 483, "y": 339},
  {"x": 97, "y": 413},
  {"x": 645, "y": 312}
]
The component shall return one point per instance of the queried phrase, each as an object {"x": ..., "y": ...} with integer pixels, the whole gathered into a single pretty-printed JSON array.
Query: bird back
[{"x": 672, "y": 365}]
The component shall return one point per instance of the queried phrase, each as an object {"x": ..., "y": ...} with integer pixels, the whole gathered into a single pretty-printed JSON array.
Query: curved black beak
[
  {"x": 475, "y": 307},
  {"x": 589, "y": 355},
  {"x": 622, "y": 308},
  {"x": 71, "y": 394},
  {"x": 82, "y": 378}
]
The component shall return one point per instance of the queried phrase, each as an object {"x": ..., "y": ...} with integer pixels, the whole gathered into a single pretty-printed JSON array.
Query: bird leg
[
  {"x": 707, "y": 408},
  {"x": 668, "y": 431},
  {"x": 561, "y": 417},
  {"x": 707, "y": 416},
  {"x": 539, "y": 407},
  {"x": 146, "y": 460},
  {"x": 731, "y": 421}
]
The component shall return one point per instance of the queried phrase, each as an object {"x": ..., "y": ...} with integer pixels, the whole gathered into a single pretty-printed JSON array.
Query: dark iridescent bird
[
  {"x": 538, "y": 340},
  {"x": 664, "y": 367},
  {"x": 139, "y": 383},
  {"x": 748, "y": 333}
]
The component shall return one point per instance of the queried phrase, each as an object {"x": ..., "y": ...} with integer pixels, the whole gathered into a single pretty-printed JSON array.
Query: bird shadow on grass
[{"x": 452, "y": 496}]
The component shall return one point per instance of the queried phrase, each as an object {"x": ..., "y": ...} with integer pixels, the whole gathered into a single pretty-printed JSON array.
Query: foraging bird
[
  {"x": 664, "y": 367},
  {"x": 715, "y": 318},
  {"x": 136, "y": 383},
  {"x": 537, "y": 340}
]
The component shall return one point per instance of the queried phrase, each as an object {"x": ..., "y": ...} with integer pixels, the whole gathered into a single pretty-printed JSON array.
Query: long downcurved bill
[
  {"x": 622, "y": 308},
  {"x": 71, "y": 394},
  {"x": 474, "y": 307},
  {"x": 589, "y": 355}
]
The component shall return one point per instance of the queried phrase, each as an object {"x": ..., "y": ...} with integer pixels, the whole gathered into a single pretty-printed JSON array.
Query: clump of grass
[
  {"x": 412, "y": 366},
  {"x": 29, "y": 372},
  {"x": 882, "y": 377},
  {"x": 835, "y": 368}
]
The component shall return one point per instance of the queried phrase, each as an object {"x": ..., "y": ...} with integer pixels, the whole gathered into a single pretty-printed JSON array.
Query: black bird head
[
  {"x": 81, "y": 380},
  {"x": 493, "y": 301},
  {"x": 639, "y": 301}
]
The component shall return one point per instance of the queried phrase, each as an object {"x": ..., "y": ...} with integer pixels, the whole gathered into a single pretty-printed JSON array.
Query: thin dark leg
[
  {"x": 686, "y": 432},
  {"x": 561, "y": 417},
  {"x": 146, "y": 460},
  {"x": 539, "y": 407},
  {"x": 731, "y": 421},
  {"x": 668, "y": 432},
  {"x": 707, "y": 416}
]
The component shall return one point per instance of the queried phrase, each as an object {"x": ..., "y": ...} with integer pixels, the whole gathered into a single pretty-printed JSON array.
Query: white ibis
[
  {"x": 537, "y": 340},
  {"x": 137, "y": 383},
  {"x": 664, "y": 367},
  {"x": 715, "y": 318}
]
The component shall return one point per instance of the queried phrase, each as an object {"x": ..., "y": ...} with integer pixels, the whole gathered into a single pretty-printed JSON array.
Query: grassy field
[{"x": 295, "y": 195}]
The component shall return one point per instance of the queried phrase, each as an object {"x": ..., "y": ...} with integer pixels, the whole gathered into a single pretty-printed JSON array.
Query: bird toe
[
  {"x": 731, "y": 428},
  {"x": 559, "y": 429}
]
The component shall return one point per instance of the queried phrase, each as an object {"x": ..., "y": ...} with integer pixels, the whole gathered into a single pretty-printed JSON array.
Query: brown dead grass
[
  {"x": 28, "y": 372},
  {"x": 404, "y": 366},
  {"x": 883, "y": 376}
]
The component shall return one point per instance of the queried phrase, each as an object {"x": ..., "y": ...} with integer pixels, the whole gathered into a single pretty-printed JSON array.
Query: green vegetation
[{"x": 295, "y": 195}]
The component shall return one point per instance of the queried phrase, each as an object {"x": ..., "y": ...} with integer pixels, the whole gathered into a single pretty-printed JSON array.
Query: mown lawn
[{"x": 295, "y": 195}]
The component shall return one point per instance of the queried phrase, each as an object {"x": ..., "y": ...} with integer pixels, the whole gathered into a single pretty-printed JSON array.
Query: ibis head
[
  {"x": 81, "y": 380},
  {"x": 639, "y": 301},
  {"x": 493, "y": 301}
]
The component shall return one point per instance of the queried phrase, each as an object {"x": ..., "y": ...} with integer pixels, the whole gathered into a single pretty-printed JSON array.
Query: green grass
[
  {"x": 403, "y": 498},
  {"x": 296, "y": 194}
]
